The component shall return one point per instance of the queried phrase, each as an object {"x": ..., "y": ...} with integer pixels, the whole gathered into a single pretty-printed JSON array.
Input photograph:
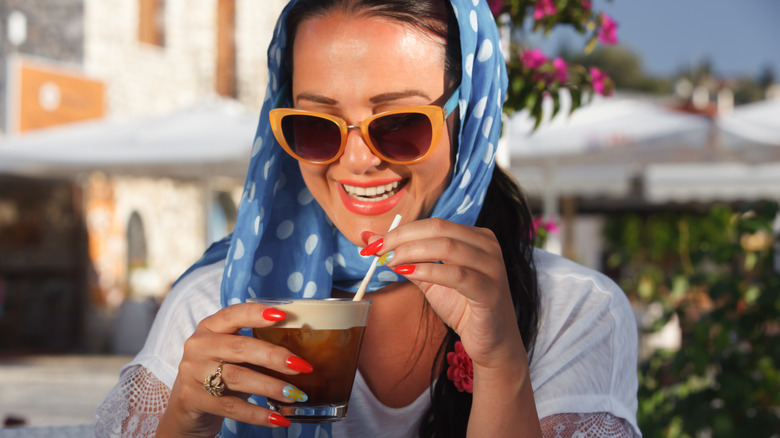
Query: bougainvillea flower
[
  {"x": 586, "y": 4},
  {"x": 539, "y": 224},
  {"x": 560, "y": 72},
  {"x": 608, "y": 30},
  {"x": 496, "y": 6},
  {"x": 533, "y": 58},
  {"x": 597, "y": 79},
  {"x": 461, "y": 369},
  {"x": 543, "y": 8}
]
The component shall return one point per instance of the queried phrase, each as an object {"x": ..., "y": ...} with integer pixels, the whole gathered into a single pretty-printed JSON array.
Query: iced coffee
[{"x": 327, "y": 334}]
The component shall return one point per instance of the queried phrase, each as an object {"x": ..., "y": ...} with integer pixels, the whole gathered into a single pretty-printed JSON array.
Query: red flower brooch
[{"x": 461, "y": 370}]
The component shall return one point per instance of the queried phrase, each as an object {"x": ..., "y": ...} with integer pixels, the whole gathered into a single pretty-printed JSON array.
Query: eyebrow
[
  {"x": 389, "y": 97},
  {"x": 316, "y": 98},
  {"x": 380, "y": 98}
]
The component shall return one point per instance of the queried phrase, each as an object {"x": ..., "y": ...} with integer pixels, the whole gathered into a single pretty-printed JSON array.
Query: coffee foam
[{"x": 329, "y": 314}]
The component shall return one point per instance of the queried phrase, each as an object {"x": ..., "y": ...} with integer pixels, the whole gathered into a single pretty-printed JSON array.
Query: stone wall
[
  {"x": 55, "y": 30},
  {"x": 145, "y": 79}
]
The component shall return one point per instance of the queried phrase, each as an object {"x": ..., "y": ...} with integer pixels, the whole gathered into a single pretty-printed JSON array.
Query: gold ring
[{"x": 213, "y": 384}]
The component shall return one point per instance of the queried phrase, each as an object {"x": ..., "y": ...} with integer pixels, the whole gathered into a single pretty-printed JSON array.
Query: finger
[
  {"x": 241, "y": 410},
  {"x": 437, "y": 228},
  {"x": 243, "y": 381},
  {"x": 468, "y": 282},
  {"x": 235, "y": 348},
  {"x": 483, "y": 259},
  {"x": 233, "y": 318}
]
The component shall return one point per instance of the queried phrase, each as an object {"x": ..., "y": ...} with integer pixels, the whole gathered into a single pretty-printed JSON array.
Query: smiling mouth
[{"x": 375, "y": 193}]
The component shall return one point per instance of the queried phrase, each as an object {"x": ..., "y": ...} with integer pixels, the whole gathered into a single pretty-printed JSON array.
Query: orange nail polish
[
  {"x": 271, "y": 314},
  {"x": 373, "y": 248},
  {"x": 295, "y": 363},
  {"x": 278, "y": 420}
]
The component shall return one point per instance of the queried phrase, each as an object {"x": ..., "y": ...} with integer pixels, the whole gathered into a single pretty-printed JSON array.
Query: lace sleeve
[
  {"x": 600, "y": 424},
  {"x": 134, "y": 407}
]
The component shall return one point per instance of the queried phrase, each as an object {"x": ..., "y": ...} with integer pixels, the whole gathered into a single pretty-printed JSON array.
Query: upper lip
[{"x": 371, "y": 183}]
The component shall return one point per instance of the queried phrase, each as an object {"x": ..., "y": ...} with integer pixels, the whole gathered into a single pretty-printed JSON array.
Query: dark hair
[{"x": 505, "y": 210}]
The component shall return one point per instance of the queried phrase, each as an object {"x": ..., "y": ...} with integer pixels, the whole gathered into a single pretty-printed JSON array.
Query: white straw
[{"x": 370, "y": 273}]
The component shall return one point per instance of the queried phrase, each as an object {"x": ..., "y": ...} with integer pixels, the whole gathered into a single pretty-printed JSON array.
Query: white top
[{"x": 584, "y": 359}]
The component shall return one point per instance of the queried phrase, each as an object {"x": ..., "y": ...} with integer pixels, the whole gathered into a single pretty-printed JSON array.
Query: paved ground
[{"x": 56, "y": 390}]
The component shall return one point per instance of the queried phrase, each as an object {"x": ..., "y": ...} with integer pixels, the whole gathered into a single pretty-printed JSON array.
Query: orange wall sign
[{"x": 49, "y": 95}]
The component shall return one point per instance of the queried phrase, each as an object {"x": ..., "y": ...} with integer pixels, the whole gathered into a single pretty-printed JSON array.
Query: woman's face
[{"x": 354, "y": 67}]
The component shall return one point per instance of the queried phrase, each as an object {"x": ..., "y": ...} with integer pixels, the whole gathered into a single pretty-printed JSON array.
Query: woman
[{"x": 462, "y": 290}]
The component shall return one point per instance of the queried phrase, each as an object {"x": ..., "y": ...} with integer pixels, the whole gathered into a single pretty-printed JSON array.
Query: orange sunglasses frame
[{"x": 436, "y": 115}]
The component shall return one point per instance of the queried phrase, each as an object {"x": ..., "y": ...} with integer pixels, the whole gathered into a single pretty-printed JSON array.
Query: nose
[{"x": 358, "y": 157}]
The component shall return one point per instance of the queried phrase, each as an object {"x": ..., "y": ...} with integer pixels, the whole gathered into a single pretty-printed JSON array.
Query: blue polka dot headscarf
[{"x": 284, "y": 245}]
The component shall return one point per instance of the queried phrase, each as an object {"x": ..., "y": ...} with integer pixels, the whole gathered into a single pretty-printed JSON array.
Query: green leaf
[
  {"x": 591, "y": 44},
  {"x": 576, "y": 99},
  {"x": 556, "y": 97}
]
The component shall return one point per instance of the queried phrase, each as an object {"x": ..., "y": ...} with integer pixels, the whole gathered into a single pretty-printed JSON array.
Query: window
[
  {"x": 136, "y": 243},
  {"x": 226, "y": 48},
  {"x": 151, "y": 22}
]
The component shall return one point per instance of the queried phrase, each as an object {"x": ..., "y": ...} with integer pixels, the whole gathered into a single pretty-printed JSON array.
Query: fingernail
[
  {"x": 294, "y": 394},
  {"x": 278, "y": 420},
  {"x": 404, "y": 269},
  {"x": 365, "y": 235},
  {"x": 387, "y": 258},
  {"x": 295, "y": 363},
  {"x": 373, "y": 248},
  {"x": 271, "y": 314}
]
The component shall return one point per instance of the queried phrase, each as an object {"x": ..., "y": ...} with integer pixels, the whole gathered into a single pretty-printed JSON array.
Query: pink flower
[
  {"x": 586, "y": 5},
  {"x": 543, "y": 8},
  {"x": 608, "y": 30},
  {"x": 548, "y": 226},
  {"x": 496, "y": 6},
  {"x": 461, "y": 370},
  {"x": 597, "y": 78},
  {"x": 560, "y": 70},
  {"x": 533, "y": 58}
]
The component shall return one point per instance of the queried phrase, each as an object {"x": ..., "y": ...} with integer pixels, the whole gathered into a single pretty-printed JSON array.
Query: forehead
[{"x": 340, "y": 48}]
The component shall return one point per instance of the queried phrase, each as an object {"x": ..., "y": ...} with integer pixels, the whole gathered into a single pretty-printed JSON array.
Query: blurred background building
[
  {"x": 94, "y": 227},
  {"x": 127, "y": 125}
]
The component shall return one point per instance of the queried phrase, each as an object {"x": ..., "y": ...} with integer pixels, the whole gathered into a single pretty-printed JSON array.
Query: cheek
[
  {"x": 314, "y": 178},
  {"x": 439, "y": 169}
]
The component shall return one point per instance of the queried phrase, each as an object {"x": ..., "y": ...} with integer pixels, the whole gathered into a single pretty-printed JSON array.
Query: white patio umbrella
[
  {"x": 757, "y": 122},
  {"x": 213, "y": 138},
  {"x": 601, "y": 149}
]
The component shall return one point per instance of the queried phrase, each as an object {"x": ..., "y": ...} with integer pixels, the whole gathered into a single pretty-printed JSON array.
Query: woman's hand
[
  {"x": 468, "y": 289},
  {"x": 192, "y": 410}
]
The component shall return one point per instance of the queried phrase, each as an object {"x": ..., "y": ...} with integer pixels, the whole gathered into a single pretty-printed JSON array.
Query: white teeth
[{"x": 375, "y": 193}]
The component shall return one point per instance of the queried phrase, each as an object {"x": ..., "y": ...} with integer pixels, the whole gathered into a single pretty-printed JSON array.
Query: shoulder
[
  {"x": 585, "y": 354},
  {"x": 568, "y": 289},
  {"x": 561, "y": 277},
  {"x": 195, "y": 296},
  {"x": 573, "y": 295}
]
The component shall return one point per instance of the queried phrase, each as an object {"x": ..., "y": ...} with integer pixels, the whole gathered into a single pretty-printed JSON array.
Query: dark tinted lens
[
  {"x": 403, "y": 137},
  {"x": 312, "y": 138}
]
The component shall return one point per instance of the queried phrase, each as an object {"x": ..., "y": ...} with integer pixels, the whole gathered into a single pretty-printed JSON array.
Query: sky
[{"x": 738, "y": 37}]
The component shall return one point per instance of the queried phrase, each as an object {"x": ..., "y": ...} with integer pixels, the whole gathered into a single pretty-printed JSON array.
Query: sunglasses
[{"x": 401, "y": 136}]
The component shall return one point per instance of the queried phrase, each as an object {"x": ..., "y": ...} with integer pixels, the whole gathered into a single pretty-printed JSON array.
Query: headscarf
[{"x": 284, "y": 245}]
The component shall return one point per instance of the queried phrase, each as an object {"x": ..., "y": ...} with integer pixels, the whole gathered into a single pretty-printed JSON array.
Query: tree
[
  {"x": 716, "y": 273},
  {"x": 625, "y": 69}
]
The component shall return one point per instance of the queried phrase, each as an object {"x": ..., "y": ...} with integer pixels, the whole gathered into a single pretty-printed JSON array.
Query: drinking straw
[{"x": 372, "y": 268}]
